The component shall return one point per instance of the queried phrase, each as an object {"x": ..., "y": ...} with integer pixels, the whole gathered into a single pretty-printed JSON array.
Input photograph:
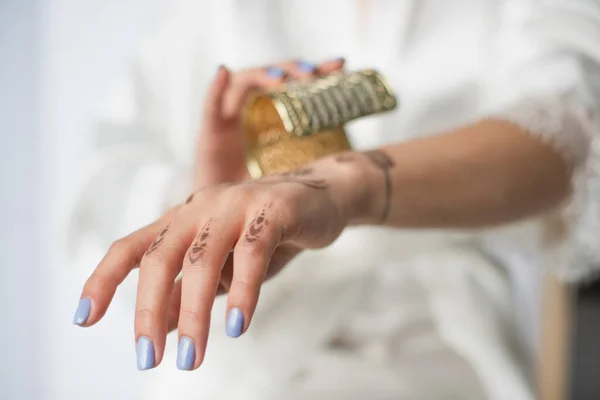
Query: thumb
[{"x": 214, "y": 99}]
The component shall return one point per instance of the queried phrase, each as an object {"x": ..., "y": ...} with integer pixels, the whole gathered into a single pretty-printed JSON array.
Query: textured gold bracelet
[{"x": 304, "y": 120}]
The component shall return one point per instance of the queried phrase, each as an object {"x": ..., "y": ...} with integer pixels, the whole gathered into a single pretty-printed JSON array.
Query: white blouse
[{"x": 382, "y": 300}]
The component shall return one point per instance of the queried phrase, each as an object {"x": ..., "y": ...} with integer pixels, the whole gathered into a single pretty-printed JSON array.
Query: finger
[
  {"x": 158, "y": 269},
  {"x": 201, "y": 273},
  {"x": 258, "y": 78},
  {"x": 292, "y": 70},
  {"x": 174, "y": 306},
  {"x": 246, "y": 82},
  {"x": 251, "y": 258},
  {"x": 303, "y": 69},
  {"x": 123, "y": 256},
  {"x": 226, "y": 275},
  {"x": 214, "y": 99},
  {"x": 330, "y": 66}
]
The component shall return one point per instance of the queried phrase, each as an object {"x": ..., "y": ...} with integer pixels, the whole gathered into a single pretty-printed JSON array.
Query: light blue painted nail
[
  {"x": 145, "y": 353},
  {"x": 185, "y": 354},
  {"x": 307, "y": 67},
  {"x": 235, "y": 323},
  {"x": 275, "y": 72},
  {"x": 83, "y": 311}
]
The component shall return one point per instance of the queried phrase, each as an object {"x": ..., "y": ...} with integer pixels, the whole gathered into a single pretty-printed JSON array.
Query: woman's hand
[
  {"x": 221, "y": 152},
  {"x": 225, "y": 238}
]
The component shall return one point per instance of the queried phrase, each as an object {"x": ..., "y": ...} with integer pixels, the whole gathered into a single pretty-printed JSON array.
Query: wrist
[{"x": 355, "y": 187}]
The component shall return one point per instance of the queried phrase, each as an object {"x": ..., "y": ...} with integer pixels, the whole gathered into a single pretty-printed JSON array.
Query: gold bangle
[{"x": 304, "y": 120}]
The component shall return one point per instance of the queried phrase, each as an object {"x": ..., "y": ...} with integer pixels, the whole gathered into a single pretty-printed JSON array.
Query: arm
[
  {"x": 491, "y": 172},
  {"x": 484, "y": 174},
  {"x": 541, "y": 85}
]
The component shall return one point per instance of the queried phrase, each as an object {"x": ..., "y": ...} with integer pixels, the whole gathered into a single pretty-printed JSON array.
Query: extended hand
[{"x": 225, "y": 238}]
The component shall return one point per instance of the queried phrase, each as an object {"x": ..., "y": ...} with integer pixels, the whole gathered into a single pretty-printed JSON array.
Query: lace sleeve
[
  {"x": 545, "y": 77},
  {"x": 570, "y": 127}
]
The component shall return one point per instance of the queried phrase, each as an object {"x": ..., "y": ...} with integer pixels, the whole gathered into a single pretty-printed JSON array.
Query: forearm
[{"x": 480, "y": 175}]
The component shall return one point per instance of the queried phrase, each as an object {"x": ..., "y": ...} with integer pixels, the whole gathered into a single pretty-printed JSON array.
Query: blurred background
[{"x": 57, "y": 59}]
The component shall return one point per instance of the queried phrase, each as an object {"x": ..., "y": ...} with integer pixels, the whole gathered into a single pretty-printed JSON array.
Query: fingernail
[
  {"x": 185, "y": 354},
  {"x": 275, "y": 72},
  {"x": 145, "y": 353},
  {"x": 304, "y": 66},
  {"x": 339, "y": 59},
  {"x": 83, "y": 311},
  {"x": 235, "y": 323}
]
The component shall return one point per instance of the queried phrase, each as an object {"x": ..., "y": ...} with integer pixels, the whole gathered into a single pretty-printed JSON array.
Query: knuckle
[
  {"x": 282, "y": 210},
  {"x": 154, "y": 260},
  {"x": 197, "y": 266},
  {"x": 95, "y": 284},
  {"x": 99, "y": 283},
  {"x": 279, "y": 202},
  {"x": 245, "y": 285},
  {"x": 191, "y": 315},
  {"x": 121, "y": 247},
  {"x": 172, "y": 211},
  {"x": 254, "y": 250},
  {"x": 276, "y": 206},
  {"x": 146, "y": 314}
]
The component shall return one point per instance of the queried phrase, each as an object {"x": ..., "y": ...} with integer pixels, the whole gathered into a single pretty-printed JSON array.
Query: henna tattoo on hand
[
  {"x": 302, "y": 171},
  {"x": 301, "y": 176},
  {"x": 189, "y": 199},
  {"x": 200, "y": 243},
  {"x": 318, "y": 184},
  {"x": 158, "y": 240},
  {"x": 256, "y": 226},
  {"x": 385, "y": 163}
]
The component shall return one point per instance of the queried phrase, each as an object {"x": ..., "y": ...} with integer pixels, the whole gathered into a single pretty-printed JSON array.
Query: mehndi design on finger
[
  {"x": 199, "y": 246},
  {"x": 256, "y": 226},
  {"x": 190, "y": 198},
  {"x": 158, "y": 240}
]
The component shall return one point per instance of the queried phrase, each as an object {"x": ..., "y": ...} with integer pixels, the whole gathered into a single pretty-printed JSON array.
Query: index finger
[{"x": 123, "y": 256}]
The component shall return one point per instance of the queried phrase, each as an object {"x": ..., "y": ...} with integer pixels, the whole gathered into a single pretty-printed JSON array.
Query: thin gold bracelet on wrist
[{"x": 304, "y": 120}]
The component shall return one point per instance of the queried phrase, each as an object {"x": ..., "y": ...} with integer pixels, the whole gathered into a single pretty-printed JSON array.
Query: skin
[{"x": 234, "y": 233}]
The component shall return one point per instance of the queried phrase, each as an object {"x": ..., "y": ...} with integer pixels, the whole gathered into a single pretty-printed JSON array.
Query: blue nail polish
[
  {"x": 307, "y": 67},
  {"x": 83, "y": 311},
  {"x": 185, "y": 354},
  {"x": 275, "y": 72},
  {"x": 235, "y": 322},
  {"x": 145, "y": 353}
]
